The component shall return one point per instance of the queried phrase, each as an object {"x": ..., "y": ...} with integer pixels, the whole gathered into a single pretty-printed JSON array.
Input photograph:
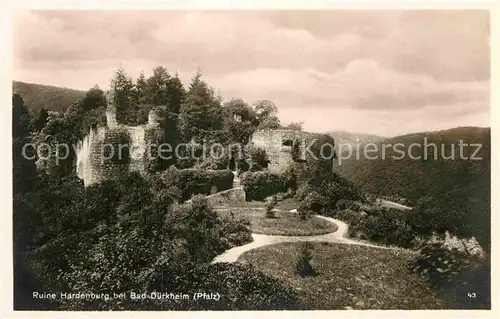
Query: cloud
[
  {"x": 348, "y": 63},
  {"x": 362, "y": 84}
]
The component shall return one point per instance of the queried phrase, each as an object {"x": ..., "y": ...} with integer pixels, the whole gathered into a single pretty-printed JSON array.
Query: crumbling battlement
[
  {"x": 278, "y": 145},
  {"x": 128, "y": 145}
]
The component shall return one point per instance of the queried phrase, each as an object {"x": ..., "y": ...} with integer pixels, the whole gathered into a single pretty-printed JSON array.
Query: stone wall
[
  {"x": 129, "y": 145},
  {"x": 278, "y": 145}
]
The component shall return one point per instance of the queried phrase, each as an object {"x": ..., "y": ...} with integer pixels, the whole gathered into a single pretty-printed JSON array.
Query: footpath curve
[{"x": 260, "y": 240}]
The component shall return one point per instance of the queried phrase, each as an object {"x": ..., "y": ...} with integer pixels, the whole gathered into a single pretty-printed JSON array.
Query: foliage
[
  {"x": 259, "y": 185},
  {"x": 240, "y": 121},
  {"x": 447, "y": 194},
  {"x": 294, "y": 126},
  {"x": 303, "y": 266},
  {"x": 266, "y": 112},
  {"x": 257, "y": 157},
  {"x": 270, "y": 213},
  {"x": 51, "y": 98},
  {"x": 462, "y": 276},
  {"x": 85, "y": 239},
  {"x": 201, "y": 111},
  {"x": 321, "y": 194},
  {"x": 194, "y": 181}
]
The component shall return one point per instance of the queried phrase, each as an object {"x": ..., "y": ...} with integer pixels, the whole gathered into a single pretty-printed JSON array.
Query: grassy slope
[
  {"x": 285, "y": 223},
  {"x": 348, "y": 275},
  {"x": 52, "y": 98}
]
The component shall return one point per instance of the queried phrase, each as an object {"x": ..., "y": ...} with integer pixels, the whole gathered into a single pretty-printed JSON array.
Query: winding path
[{"x": 259, "y": 240}]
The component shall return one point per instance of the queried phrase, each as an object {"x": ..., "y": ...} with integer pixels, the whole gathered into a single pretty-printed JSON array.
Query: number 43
[{"x": 471, "y": 295}]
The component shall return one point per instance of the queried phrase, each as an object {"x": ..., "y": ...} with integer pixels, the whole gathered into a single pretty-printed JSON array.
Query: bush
[
  {"x": 256, "y": 157},
  {"x": 270, "y": 207},
  {"x": 259, "y": 185},
  {"x": 348, "y": 204},
  {"x": 194, "y": 181},
  {"x": 328, "y": 190},
  {"x": 313, "y": 203},
  {"x": 303, "y": 266},
  {"x": 388, "y": 227},
  {"x": 463, "y": 277}
]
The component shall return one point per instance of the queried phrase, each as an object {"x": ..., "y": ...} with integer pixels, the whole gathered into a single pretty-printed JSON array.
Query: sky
[{"x": 378, "y": 72}]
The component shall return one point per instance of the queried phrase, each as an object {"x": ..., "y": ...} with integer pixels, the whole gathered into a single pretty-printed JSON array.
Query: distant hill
[
  {"x": 342, "y": 137},
  {"x": 52, "y": 98},
  {"x": 458, "y": 185}
]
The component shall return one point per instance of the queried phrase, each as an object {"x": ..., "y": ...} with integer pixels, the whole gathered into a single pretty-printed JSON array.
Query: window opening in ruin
[{"x": 287, "y": 143}]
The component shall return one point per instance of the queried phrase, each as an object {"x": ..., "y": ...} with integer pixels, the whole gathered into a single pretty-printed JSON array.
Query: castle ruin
[
  {"x": 279, "y": 145},
  {"x": 115, "y": 149}
]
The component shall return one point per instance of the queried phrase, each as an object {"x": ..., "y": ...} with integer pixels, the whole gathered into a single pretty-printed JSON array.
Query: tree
[
  {"x": 240, "y": 121},
  {"x": 140, "y": 87},
  {"x": 123, "y": 97},
  {"x": 267, "y": 114},
  {"x": 40, "y": 121},
  {"x": 94, "y": 98},
  {"x": 201, "y": 111},
  {"x": 303, "y": 266},
  {"x": 294, "y": 126},
  {"x": 21, "y": 126},
  {"x": 175, "y": 94},
  {"x": 156, "y": 87},
  {"x": 270, "y": 213}
]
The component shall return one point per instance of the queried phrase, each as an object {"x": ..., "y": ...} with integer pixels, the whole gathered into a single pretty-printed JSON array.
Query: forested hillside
[
  {"x": 456, "y": 189},
  {"x": 51, "y": 98},
  {"x": 350, "y": 138}
]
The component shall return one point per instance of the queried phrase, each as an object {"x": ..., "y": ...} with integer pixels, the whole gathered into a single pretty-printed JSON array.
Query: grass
[
  {"x": 285, "y": 223},
  {"x": 348, "y": 275}
]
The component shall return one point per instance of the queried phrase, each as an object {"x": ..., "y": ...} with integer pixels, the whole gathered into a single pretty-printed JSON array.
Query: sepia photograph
[{"x": 251, "y": 160}]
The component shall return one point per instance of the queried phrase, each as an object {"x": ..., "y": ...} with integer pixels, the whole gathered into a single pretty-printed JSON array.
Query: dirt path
[{"x": 259, "y": 240}]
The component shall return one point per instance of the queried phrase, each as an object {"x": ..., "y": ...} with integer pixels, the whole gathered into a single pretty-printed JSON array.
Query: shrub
[
  {"x": 328, "y": 189},
  {"x": 313, "y": 203},
  {"x": 270, "y": 207},
  {"x": 464, "y": 278},
  {"x": 193, "y": 181},
  {"x": 256, "y": 157},
  {"x": 348, "y": 204},
  {"x": 303, "y": 266},
  {"x": 388, "y": 227},
  {"x": 154, "y": 162},
  {"x": 259, "y": 185}
]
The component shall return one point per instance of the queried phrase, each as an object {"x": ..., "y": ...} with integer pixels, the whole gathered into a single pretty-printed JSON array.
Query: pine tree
[
  {"x": 176, "y": 94},
  {"x": 140, "y": 86},
  {"x": 24, "y": 169},
  {"x": 123, "y": 86},
  {"x": 39, "y": 122},
  {"x": 201, "y": 111},
  {"x": 156, "y": 87}
]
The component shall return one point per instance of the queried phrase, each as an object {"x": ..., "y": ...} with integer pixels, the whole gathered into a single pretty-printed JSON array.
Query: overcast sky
[{"x": 380, "y": 72}]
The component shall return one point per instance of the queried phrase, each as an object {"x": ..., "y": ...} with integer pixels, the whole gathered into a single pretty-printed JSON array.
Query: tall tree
[
  {"x": 201, "y": 111},
  {"x": 156, "y": 87},
  {"x": 175, "y": 94},
  {"x": 39, "y": 122},
  {"x": 240, "y": 120},
  {"x": 140, "y": 87},
  {"x": 267, "y": 114},
  {"x": 123, "y": 88}
]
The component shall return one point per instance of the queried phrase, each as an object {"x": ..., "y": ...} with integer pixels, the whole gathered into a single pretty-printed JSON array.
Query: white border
[{"x": 6, "y": 282}]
